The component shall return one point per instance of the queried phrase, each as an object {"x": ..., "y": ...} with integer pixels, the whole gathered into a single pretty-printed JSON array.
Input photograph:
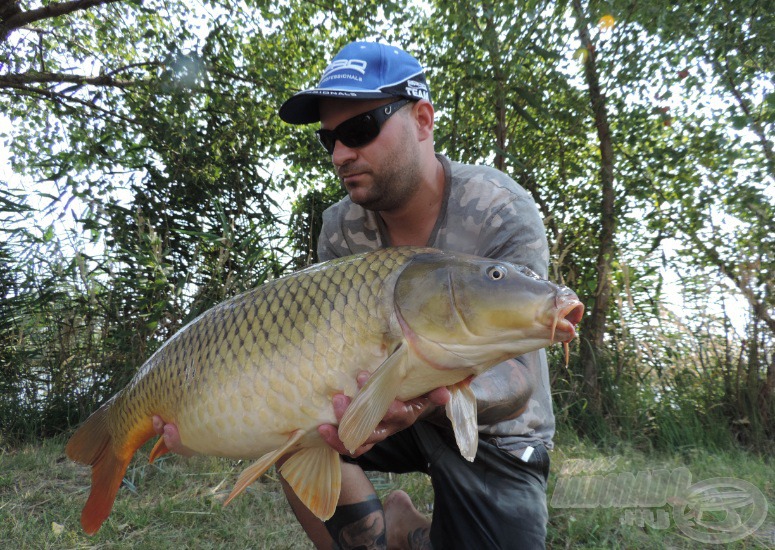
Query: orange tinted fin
[
  {"x": 257, "y": 469},
  {"x": 160, "y": 449},
  {"x": 93, "y": 445},
  {"x": 315, "y": 474}
]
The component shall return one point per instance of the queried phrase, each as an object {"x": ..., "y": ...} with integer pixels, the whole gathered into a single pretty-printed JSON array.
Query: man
[{"x": 376, "y": 122}]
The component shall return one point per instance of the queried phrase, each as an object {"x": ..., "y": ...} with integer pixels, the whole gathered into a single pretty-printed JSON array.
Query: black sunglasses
[{"x": 361, "y": 129}]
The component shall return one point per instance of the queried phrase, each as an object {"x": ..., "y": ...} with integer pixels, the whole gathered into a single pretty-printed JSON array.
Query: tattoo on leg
[
  {"x": 359, "y": 526},
  {"x": 419, "y": 539}
]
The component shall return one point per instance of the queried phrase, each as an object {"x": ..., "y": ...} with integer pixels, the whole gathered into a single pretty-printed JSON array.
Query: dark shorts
[{"x": 498, "y": 501}]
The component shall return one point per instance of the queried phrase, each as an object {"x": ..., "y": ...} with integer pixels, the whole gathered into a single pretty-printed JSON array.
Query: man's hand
[
  {"x": 171, "y": 437},
  {"x": 399, "y": 416}
]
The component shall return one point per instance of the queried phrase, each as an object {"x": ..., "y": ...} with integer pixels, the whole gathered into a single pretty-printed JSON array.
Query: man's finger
[
  {"x": 362, "y": 377},
  {"x": 340, "y": 402},
  {"x": 439, "y": 396},
  {"x": 330, "y": 435},
  {"x": 158, "y": 425}
]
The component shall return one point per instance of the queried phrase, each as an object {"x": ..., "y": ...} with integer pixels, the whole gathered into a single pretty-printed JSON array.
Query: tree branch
[
  {"x": 64, "y": 99},
  {"x": 16, "y": 80},
  {"x": 758, "y": 306},
  {"x": 9, "y": 8},
  {"x": 727, "y": 74},
  {"x": 55, "y": 9}
]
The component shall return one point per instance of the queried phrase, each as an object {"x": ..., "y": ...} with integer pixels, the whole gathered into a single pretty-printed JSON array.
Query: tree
[
  {"x": 596, "y": 325},
  {"x": 155, "y": 131}
]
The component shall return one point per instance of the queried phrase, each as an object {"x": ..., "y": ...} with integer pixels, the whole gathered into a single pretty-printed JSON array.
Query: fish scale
[
  {"x": 254, "y": 376},
  {"x": 250, "y": 324}
]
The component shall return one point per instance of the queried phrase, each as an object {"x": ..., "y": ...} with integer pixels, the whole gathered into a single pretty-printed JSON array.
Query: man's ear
[{"x": 423, "y": 114}]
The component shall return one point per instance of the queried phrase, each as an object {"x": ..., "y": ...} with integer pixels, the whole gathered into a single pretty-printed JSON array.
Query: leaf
[
  {"x": 739, "y": 122},
  {"x": 513, "y": 159},
  {"x": 543, "y": 52},
  {"x": 532, "y": 100},
  {"x": 526, "y": 116}
]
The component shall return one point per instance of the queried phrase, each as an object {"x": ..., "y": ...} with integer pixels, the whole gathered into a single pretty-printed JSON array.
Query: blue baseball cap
[{"x": 362, "y": 70}]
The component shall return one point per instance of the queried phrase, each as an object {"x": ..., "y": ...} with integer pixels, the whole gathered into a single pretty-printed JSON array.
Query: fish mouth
[{"x": 568, "y": 311}]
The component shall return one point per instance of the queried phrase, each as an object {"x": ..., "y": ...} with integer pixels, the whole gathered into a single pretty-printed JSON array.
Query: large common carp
[{"x": 253, "y": 377}]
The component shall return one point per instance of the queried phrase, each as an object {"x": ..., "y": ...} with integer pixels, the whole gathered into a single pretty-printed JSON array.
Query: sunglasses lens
[
  {"x": 327, "y": 139},
  {"x": 355, "y": 132},
  {"x": 358, "y": 131}
]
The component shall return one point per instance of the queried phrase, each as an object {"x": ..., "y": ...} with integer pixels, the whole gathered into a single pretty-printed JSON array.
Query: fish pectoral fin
[
  {"x": 159, "y": 449},
  {"x": 257, "y": 469},
  {"x": 315, "y": 474},
  {"x": 373, "y": 400},
  {"x": 461, "y": 411}
]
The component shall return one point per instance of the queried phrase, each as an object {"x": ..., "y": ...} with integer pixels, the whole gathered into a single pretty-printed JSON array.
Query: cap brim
[{"x": 303, "y": 107}]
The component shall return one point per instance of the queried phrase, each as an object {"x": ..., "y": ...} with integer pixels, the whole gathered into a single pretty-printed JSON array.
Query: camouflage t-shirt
[{"x": 485, "y": 213}]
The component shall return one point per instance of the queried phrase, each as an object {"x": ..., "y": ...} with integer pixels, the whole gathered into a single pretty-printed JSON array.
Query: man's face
[{"x": 383, "y": 174}]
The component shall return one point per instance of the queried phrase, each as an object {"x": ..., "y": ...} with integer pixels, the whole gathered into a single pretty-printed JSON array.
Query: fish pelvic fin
[
  {"x": 373, "y": 400},
  {"x": 92, "y": 444},
  {"x": 260, "y": 466},
  {"x": 315, "y": 474},
  {"x": 159, "y": 449},
  {"x": 461, "y": 411}
]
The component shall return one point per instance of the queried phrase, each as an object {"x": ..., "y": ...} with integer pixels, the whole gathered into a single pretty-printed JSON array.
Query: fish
[{"x": 253, "y": 377}]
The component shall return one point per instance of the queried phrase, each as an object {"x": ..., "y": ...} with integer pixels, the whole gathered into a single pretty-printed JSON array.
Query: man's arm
[
  {"x": 399, "y": 416},
  {"x": 513, "y": 232},
  {"x": 502, "y": 393}
]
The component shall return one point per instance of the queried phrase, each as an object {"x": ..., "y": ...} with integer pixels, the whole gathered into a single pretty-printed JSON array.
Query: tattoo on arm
[{"x": 358, "y": 526}]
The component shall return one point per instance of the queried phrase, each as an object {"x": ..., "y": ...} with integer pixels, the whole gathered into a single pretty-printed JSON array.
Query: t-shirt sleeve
[
  {"x": 326, "y": 250},
  {"x": 515, "y": 232}
]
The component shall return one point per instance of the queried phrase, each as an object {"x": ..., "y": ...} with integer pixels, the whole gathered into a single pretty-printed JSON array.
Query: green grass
[
  {"x": 611, "y": 527},
  {"x": 177, "y": 503}
]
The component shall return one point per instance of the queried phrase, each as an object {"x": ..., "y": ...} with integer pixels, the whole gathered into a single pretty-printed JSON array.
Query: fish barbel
[{"x": 253, "y": 377}]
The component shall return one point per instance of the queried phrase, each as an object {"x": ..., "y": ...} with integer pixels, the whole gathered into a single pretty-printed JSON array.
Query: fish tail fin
[{"x": 92, "y": 444}]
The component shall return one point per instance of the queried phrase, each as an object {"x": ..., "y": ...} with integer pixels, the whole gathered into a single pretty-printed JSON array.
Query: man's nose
[{"x": 342, "y": 154}]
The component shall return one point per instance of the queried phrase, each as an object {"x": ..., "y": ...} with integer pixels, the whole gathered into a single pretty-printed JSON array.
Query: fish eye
[{"x": 496, "y": 272}]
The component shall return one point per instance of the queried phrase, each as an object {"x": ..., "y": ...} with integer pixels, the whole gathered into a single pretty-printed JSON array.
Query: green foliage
[
  {"x": 162, "y": 182},
  {"x": 307, "y": 221}
]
